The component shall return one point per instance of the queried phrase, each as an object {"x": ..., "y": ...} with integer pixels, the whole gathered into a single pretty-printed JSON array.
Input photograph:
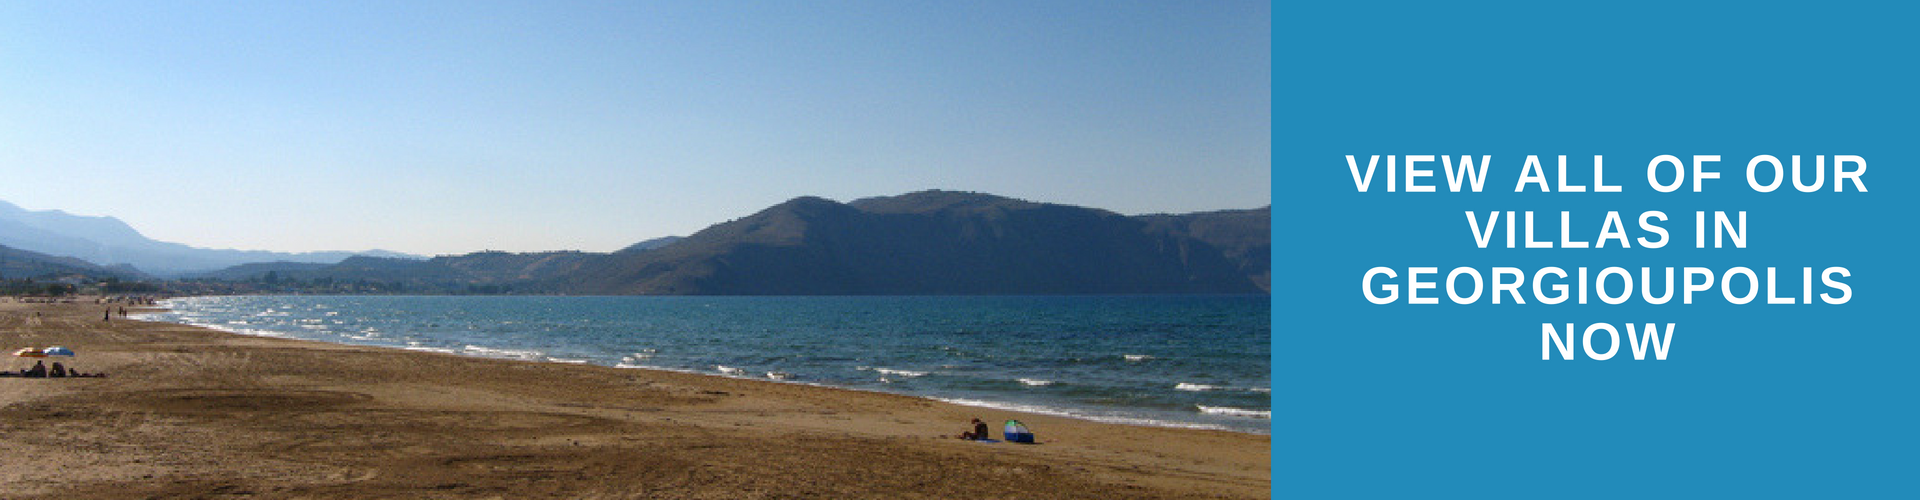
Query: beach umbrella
[
  {"x": 57, "y": 351},
  {"x": 29, "y": 352}
]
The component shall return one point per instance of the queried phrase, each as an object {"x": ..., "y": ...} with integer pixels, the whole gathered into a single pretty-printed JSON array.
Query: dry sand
[{"x": 194, "y": 413}]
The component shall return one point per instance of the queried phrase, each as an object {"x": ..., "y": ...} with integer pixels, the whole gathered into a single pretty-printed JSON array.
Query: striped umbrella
[
  {"x": 57, "y": 351},
  {"x": 29, "y": 352}
]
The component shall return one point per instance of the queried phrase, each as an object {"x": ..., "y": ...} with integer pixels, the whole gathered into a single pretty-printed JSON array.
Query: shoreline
[
  {"x": 1010, "y": 407},
  {"x": 261, "y": 407},
  {"x": 539, "y": 354}
]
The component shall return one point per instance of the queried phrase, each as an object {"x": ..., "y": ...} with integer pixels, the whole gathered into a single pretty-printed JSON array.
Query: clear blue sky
[{"x": 452, "y": 127}]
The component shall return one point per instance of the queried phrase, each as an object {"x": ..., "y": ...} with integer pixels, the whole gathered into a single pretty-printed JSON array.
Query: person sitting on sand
[
  {"x": 979, "y": 432},
  {"x": 39, "y": 370},
  {"x": 58, "y": 371}
]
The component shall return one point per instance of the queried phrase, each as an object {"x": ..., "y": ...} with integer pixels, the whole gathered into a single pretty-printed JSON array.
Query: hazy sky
[{"x": 452, "y": 127}]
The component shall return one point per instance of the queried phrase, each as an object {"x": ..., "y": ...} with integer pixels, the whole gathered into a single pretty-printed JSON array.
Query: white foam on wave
[
  {"x": 422, "y": 348},
  {"x": 503, "y": 353},
  {"x": 1111, "y": 419},
  {"x": 241, "y": 331},
  {"x": 891, "y": 371},
  {"x": 1235, "y": 412},
  {"x": 1136, "y": 357},
  {"x": 1187, "y": 386},
  {"x": 729, "y": 370},
  {"x": 1034, "y": 382},
  {"x": 570, "y": 361},
  {"x": 259, "y": 333},
  {"x": 630, "y": 366},
  {"x": 779, "y": 375}
]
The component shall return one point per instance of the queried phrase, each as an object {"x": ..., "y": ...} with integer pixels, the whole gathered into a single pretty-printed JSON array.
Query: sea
[{"x": 1180, "y": 361}]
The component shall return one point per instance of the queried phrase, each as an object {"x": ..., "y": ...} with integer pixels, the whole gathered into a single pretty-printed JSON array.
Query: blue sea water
[{"x": 1193, "y": 361}]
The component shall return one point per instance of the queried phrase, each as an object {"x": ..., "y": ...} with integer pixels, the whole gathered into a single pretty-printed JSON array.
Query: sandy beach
[{"x": 192, "y": 412}]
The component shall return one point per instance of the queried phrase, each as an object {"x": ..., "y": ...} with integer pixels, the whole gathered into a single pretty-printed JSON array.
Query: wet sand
[{"x": 195, "y": 413}]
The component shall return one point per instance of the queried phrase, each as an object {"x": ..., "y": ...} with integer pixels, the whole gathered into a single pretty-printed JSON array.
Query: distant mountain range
[
  {"x": 21, "y": 264},
  {"x": 930, "y": 242},
  {"x": 107, "y": 241}
]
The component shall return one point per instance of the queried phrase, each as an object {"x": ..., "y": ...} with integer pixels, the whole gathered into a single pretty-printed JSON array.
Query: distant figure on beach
[
  {"x": 58, "y": 371},
  {"x": 106, "y": 315},
  {"x": 978, "y": 433},
  {"x": 123, "y": 312},
  {"x": 39, "y": 370}
]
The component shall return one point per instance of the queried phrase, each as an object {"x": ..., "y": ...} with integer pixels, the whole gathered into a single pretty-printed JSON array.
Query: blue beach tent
[{"x": 1017, "y": 432}]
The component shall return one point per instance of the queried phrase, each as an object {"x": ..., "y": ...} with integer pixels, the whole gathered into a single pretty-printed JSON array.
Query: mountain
[
  {"x": 259, "y": 270},
  {"x": 650, "y": 244},
  {"x": 501, "y": 268},
  {"x": 943, "y": 242},
  {"x": 19, "y": 264},
  {"x": 108, "y": 241},
  {"x": 389, "y": 254},
  {"x": 502, "y": 271},
  {"x": 1242, "y": 236},
  {"x": 930, "y": 242}
]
